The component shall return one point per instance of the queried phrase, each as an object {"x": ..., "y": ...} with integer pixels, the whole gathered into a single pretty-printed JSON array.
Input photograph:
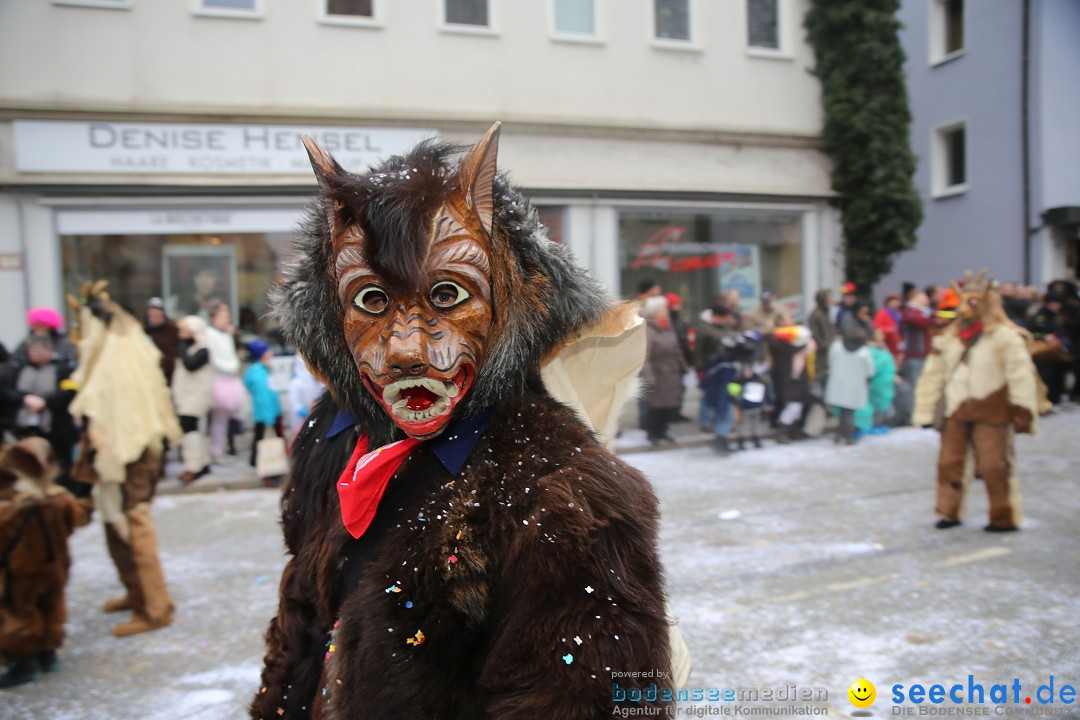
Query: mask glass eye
[
  {"x": 372, "y": 299},
  {"x": 446, "y": 294}
]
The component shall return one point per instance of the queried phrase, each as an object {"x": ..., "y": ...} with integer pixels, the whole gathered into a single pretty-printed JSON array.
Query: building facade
[
  {"x": 157, "y": 144},
  {"x": 995, "y": 91}
]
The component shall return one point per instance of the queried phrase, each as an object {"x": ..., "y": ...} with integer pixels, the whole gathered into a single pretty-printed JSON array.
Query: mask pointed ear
[
  {"x": 477, "y": 173},
  {"x": 327, "y": 171}
]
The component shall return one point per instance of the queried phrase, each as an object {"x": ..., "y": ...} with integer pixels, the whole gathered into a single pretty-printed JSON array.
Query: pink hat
[{"x": 44, "y": 316}]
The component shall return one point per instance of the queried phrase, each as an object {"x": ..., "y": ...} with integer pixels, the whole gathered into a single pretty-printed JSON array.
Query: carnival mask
[
  {"x": 412, "y": 260},
  {"x": 973, "y": 296}
]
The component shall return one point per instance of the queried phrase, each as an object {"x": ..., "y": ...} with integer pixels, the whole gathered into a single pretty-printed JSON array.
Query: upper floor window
[
  {"x": 949, "y": 159},
  {"x": 351, "y": 12},
  {"x": 475, "y": 13},
  {"x": 763, "y": 24},
  {"x": 574, "y": 18},
  {"x": 110, "y": 4},
  {"x": 229, "y": 8},
  {"x": 946, "y": 29},
  {"x": 672, "y": 20}
]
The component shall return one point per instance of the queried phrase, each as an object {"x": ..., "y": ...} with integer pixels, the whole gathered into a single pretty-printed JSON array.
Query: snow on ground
[{"x": 809, "y": 564}]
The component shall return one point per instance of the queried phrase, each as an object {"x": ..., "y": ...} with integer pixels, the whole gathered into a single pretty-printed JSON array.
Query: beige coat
[{"x": 192, "y": 391}]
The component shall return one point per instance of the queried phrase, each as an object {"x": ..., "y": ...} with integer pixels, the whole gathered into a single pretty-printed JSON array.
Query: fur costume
[
  {"x": 513, "y": 585},
  {"x": 981, "y": 368},
  {"x": 127, "y": 414},
  {"x": 36, "y": 519}
]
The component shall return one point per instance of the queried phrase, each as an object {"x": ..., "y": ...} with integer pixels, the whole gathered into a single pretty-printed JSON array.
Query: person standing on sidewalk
[
  {"x": 916, "y": 326},
  {"x": 663, "y": 370},
  {"x": 717, "y": 366},
  {"x": 228, "y": 391},
  {"x": 824, "y": 332},
  {"x": 163, "y": 331},
  {"x": 264, "y": 398},
  {"x": 851, "y": 367},
  {"x": 192, "y": 388}
]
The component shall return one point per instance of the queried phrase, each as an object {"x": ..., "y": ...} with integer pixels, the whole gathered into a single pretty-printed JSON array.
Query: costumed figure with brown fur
[
  {"x": 36, "y": 519},
  {"x": 126, "y": 412},
  {"x": 463, "y": 545},
  {"x": 980, "y": 380}
]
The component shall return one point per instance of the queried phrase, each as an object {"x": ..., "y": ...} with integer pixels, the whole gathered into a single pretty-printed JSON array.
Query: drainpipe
[{"x": 1025, "y": 147}]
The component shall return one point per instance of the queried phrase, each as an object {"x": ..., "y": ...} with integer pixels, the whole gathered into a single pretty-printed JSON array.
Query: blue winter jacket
[{"x": 264, "y": 400}]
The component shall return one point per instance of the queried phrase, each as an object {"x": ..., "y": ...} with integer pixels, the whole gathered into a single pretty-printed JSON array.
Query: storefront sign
[
  {"x": 159, "y": 148},
  {"x": 178, "y": 220}
]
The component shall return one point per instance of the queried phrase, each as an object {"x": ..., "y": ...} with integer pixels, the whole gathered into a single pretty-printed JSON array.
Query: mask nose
[
  {"x": 406, "y": 363},
  {"x": 405, "y": 351}
]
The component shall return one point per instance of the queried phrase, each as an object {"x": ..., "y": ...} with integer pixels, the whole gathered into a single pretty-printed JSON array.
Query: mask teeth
[
  {"x": 400, "y": 408},
  {"x": 392, "y": 392},
  {"x": 451, "y": 389}
]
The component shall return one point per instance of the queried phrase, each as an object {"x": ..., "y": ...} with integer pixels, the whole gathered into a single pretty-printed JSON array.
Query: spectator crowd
[
  {"x": 759, "y": 371},
  {"x": 216, "y": 399}
]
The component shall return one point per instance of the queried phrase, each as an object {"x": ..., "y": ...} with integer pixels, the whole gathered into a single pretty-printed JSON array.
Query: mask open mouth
[{"x": 421, "y": 406}]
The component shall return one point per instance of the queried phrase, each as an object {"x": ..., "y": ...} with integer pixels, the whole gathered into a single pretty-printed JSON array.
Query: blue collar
[{"x": 452, "y": 447}]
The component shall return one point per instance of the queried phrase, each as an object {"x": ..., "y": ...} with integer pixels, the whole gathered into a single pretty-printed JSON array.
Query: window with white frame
[
  {"x": 672, "y": 20},
  {"x": 351, "y": 12},
  {"x": 574, "y": 17},
  {"x": 949, "y": 158},
  {"x": 229, "y": 8},
  {"x": 364, "y": 9},
  {"x": 763, "y": 24},
  {"x": 472, "y": 13},
  {"x": 108, "y": 4},
  {"x": 946, "y": 29}
]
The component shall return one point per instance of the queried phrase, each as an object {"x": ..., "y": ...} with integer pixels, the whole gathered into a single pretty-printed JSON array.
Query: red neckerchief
[
  {"x": 970, "y": 334},
  {"x": 364, "y": 481}
]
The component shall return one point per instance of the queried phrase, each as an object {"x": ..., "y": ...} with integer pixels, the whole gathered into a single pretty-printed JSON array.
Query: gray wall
[
  {"x": 1055, "y": 101},
  {"x": 1055, "y": 107},
  {"x": 982, "y": 227}
]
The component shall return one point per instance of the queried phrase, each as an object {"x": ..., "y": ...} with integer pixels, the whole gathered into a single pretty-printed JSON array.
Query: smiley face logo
[{"x": 862, "y": 693}]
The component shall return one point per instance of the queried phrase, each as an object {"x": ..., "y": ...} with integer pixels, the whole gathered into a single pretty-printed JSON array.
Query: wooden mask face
[
  {"x": 974, "y": 299},
  {"x": 416, "y": 289}
]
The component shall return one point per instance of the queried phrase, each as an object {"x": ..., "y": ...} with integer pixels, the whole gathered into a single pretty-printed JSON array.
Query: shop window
[
  {"x": 763, "y": 24},
  {"x": 553, "y": 218},
  {"x": 574, "y": 18},
  {"x": 192, "y": 273},
  {"x": 699, "y": 255},
  {"x": 949, "y": 159},
  {"x": 672, "y": 20},
  {"x": 946, "y": 29},
  {"x": 475, "y": 13}
]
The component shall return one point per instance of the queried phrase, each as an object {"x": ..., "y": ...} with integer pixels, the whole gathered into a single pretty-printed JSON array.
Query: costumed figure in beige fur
[
  {"x": 36, "y": 519},
  {"x": 980, "y": 381},
  {"x": 126, "y": 413}
]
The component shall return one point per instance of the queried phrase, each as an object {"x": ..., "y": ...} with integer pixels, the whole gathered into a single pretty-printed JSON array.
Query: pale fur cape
[
  {"x": 999, "y": 359},
  {"x": 122, "y": 391}
]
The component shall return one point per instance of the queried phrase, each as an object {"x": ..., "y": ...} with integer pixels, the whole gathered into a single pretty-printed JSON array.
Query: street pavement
[{"x": 810, "y": 565}]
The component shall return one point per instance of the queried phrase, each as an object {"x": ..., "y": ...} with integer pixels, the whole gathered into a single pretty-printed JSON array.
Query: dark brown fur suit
[
  {"x": 532, "y": 574},
  {"x": 36, "y": 519}
]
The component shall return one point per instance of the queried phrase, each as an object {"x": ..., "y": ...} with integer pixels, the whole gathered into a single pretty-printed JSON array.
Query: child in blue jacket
[{"x": 264, "y": 398}]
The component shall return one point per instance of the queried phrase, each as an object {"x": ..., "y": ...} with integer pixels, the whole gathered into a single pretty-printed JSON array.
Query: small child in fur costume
[{"x": 36, "y": 519}]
